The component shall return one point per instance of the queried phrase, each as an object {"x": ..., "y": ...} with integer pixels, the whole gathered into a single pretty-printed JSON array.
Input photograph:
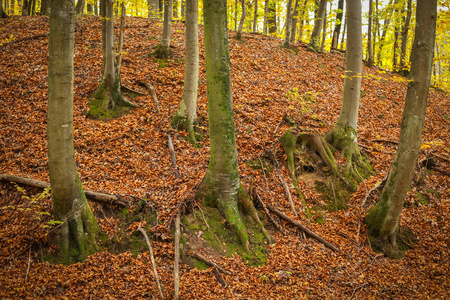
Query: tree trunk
[
  {"x": 337, "y": 26},
  {"x": 90, "y": 9},
  {"x": 387, "y": 21},
  {"x": 369, "y": 37},
  {"x": 25, "y": 4},
  {"x": 343, "y": 33},
  {"x": 266, "y": 11},
  {"x": 80, "y": 7},
  {"x": 109, "y": 72},
  {"x": 241, "y": 22},
  {"x": 255, "y": 16},
  {"x": 79, "y": 230},
  {"x": 153, "y": 9},
  {"x": 288, "y": 23},
  {"x": 183, "y": 9},
  {"x": 294, "y": 21},
  {"x": 376, "y": 31},
  {"x": 318, "y": 24},
  {"x": 272, "y": 17},
  {"x": 382, "y": 219},
  {"x": 163, "y": 49},
  {"x": 403, "y": 60},
  {"x": 2, "y": 11},
  {"x": 96, "y": 7},
  {"x": 45, "y": 8},
  {"x": 175, "y": 9},
  {"x": 302, "y": 20},
  {"x": 221, "y": 185},
  {"x": 324, "y": 30},
  {"x": 343, "y": 136},
  {"x": 396, "y": 36},
  {"x": 186, "y": 114}
]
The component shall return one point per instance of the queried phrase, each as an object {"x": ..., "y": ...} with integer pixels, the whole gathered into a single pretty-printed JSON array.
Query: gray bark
[
  {"x": 288, "y": 24},
  {"x": 241, "y": 22},
  {"x": 369, "y": 36},
  {"x": 318, "y": 24},
  {"x": 2, "y": 11},
  {"x": 187, "y": 112},
  {"x": 175, "y": 8},
  {"x": 386, "y": 23},
  {"x": 382, "y": 219},
  {"x": 109, "y": 71},
  {"x": 405, "y": 36},
  {"x": 272, "y": 17},
  {"x": 337, "y": 26},
  {"x": 294, "y": 21},
  {"x": 255, "y": 16},
  {"x": 80, "y": 7},
  {"x": 163, "y": 49},
  {"x": 153, "y": 8},
  {"x": 25, "y": 4},
  {"x": 79, "y": 229}
]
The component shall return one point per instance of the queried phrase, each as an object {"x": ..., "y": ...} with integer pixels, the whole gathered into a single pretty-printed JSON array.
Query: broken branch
[{"x": 208, "y": 262}]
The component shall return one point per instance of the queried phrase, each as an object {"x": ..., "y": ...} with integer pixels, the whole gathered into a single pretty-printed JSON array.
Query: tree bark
[
  {"x": 242, "y": 20},
  {"x": 382, "y": 219},
  {"x": 80, "y": 7},
  {"x": 272, "y": 17},
  {"x": 266, "y": 11},
  {"x": 175, "y": 8},
  {"x": 324, "y": 30},
  {"x": 79, "y": 230},
  {"x": 369, "y": 36},
  {"x": 287, "y": 37},
  {"x": 152, "y": 9},
  {"x": 403, "y": 59},
  {"x": 109, "y": 73},
  {"x": 318, "y": 24},
  {"x": 186, "y": 114},
  {"x": 294, "y": 21},
  {"x": 25, "y": 4},
  {"x": 386, "y": 23},
  {"x": 337, "y": 26},
  {"x": 255, "y": 16},
  {"x": 163, "y": 49},
  {"x": 2, "y": 11}
]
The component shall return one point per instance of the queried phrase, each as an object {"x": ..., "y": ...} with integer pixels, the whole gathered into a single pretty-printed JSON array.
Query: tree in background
[
  {"x": 288, "y": 23},
  {"x": 344, "y": 135},
  {"x": 295, "y": 21},
  {"x": 221, "y": 187},
  {"x": 241, "y": 22},
  {"x": 186, "y": 114},
  {"x": 314, "y": 40},
  {"x": 369, "y": 36},
  {"x": 2, "y": 11},
  {"x": 152, "y": 8},
  {"x": 162, "y": 50},
  {"x": 337, "y": 26},
  {"x": 382, "y": 220},
  {"x": 80, "y": 7},
  {"x": 403, "y": 68},
  {"x": 79, "y": 230}
]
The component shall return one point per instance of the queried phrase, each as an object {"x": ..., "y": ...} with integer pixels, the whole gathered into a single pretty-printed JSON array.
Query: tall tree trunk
[
  {"x": 376, "y": 31},
  {"x": 242, "y": 20},
  {"x": 175, "y": 9},
  {"x": 255, "y": 16},
  {"x": 186, "y": 114},
  {"x": 294, "y": 21},
  {"x": 314, "y": 40},
  {"x": 344, "y": 135},
  {"x": 303, "y": 19},
  {"x": 343, "y": 33},
  {"x": 152, "y": 8},
  {"x": 288, "y": 24},
  {"x": 397, "y": 12},
  {"x": 266, "y": 11},
  {"x": 403, "y": 59},
  {"x": 78, "y": 233},
  {"x": 369, "y": 36},
  {"x": 33, "y": 8},
  {"x": 90, "y": 9},
  {"x": 386, "y": 23},
  {"x": 25, "y": 4},
  {"x": 337, "y": 26},
  {"x": 80, "y": 7},
  {"x": 221, "y": 185},
  {"x": 382, "y": 219},
  {"x": 183, "y": 9},
  {"x": 324, "y": 31},
  {"x": 109, "y": 73},
  {"x": 2, "y": 11},
  {"x": 163, "y": 49},
  {"x": 96, "y": 7},
  {"x": 272, "y": 17}
]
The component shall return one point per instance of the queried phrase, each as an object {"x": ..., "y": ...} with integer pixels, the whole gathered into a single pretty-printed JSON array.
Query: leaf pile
[{"x": 129, "y": 156}]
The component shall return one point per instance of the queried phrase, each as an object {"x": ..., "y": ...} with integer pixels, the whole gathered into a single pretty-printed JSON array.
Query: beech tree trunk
[
  {"x": 109, "y": 72},
  {"x": 403, "y": 59},
  {"x": 153, "y": 8},
  {"x": 272, "y": 17},
  {"x": 175, "y": 8},
  {"x": 386, "y": 23},
  {"x": 294, "y": 21},
  {"x": 343, "y": 136},
  {"x": 314, "y": 40},
  {"x": 337, "y": 26},
  {"x": 241, "y": 22},
  {"x": 221, "y": 185},
  {"x": 186, "y": 114},
  {"x": 255, "y": 16},
  {"x": 287, "y": 37},
  {"x": 369, "y": 36},
  {"x": 266, "y": 11},
  {"x": 2, "y": 11},
  {"x": 25, "y": 4},
  {"x": 382, "y": 219},
  {"x": 79, "y": 230},
  {"x": 80, "y": 7},
  {"x": 163, "y": 49}
]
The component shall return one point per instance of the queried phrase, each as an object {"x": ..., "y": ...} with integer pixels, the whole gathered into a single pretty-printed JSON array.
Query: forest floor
[{"x": 129, "y": 156}]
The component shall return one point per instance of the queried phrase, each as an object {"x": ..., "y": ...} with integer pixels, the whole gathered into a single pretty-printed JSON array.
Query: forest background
[{"x": 303, "y": 97}]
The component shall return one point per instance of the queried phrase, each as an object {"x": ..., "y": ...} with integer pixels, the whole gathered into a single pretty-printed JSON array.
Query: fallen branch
[
  {"x": 152, "y": 92},
  {"x": 304, "y": 228},
  {"x": 176, "y": 264},
  {"x": 132, "y": 91},
  {"x": 219, "y": 278},
  {"x": 256, "y": 197},
  {"x": 93, "y": 196},
  {"x": 208, "y": 262},
  {"x": 155, "y": 272},
  {"x": 172, "y": 155},
  {"x": 441, "y": 171},
  {"x": 29, "y": 38},
  {"x": 283, "y": 183},
  {"x": 384, "y": 141}
]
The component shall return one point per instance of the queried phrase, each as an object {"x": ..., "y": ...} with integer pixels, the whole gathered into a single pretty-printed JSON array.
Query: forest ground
[{"x": 129, "y": 156}]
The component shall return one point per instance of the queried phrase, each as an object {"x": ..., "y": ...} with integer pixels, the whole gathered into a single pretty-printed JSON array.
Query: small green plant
[{"x": 304, "y": 100}]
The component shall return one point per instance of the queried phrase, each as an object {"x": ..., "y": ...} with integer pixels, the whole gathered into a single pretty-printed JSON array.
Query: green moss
[
  {"x": 422, "y": 198},
  {"x": 261, "y": 164},
  {"x": 335, "y": 195}
]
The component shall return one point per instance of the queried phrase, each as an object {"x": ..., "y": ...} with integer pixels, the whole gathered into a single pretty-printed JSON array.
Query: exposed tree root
[{"x": 162, "y": 52}]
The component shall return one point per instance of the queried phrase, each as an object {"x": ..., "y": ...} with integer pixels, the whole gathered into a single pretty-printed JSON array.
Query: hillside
[{"x": 128, "y": 156}]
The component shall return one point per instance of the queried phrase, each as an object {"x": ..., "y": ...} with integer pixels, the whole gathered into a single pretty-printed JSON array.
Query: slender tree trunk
[
  {"x": 314, "y": 40},
  {"x": 403, "y": 59},
  {"x": 294, "y": 21},
  {"x": 90, "y": 9},
  {"x": 186, "y": 114},
  {"x": 288, "y": 23},
  {"x": 382, "y": 219},
  {"x": 255, "y": 17},
  {"x": 241, "y": 22},
  {"x": 80, "y": 7},
  {"x": 175, "y": 8},
  {"x": 386, "y": 23},
  {"x": 344, "y": 135},
  {"x": 272, "y": 17},
  {"x": 303, "y": 19},
  {"x": 343, "y": 34},
  {"x": 324, "y": 31},
  {"x": 163, "y": 49},
  {"x": 152, "y": 8},
  {"x": 183, "y": 9},
  {"x": 109, "y": 74},
  {"x": 25, "y": 4},
  {"x": 2, "y": 11},
  {"x": 337, "y": 26},
  {"x": 79, "y": 230},
  {"x": 369, "y": 36},
  {"x": 96, "y": 7},
  {"x": 266, "y": 11},
  {"x": 397, "y": 11},
  {"x": 376, "y": 31},
  {"x": 33, "y": 8}
]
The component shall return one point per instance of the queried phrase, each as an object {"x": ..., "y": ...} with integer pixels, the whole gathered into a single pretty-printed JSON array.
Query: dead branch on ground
[{"x": 208, "y": 262}]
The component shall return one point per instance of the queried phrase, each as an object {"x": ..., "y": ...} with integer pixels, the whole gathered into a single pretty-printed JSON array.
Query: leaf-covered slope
[{"x": 129, "y": 155}]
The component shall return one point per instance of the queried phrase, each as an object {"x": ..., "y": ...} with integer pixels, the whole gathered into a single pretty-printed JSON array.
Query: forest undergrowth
[{"x": 129, "y": 156}]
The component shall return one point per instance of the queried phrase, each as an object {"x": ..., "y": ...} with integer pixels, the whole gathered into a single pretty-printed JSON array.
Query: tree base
[
  {"x": 162, "y": 52},
  {"x": 394, "y": 247},
  {"x": 179, "y": 122}
]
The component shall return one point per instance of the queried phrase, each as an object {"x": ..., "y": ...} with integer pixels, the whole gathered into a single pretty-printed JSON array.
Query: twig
[
  {"x": 150, "y": 88},
  {"x": 384, "y": 141},
  {"x": 258, "y": 199},
  {"x": 441, "y": 157},
  {"x": 172, "y": 155},
  {"x": 357, "y": 288},
  {"x": 176, "y": 267},
  {"x": 283, "y": 183},
  {"x": 371, "y": 264},
  {"x": 29, "y": 38},
  {"x": 441, "y": 171},
  {"x": 220, "y": 278},
  {"x": 367, "y": 253},
  {"x": 208, "y": 262},
  {"x": 304, "y": 228},
  {"x": 29, "y": 264},
  {"x": 93, "y": 196},
  {"x": 141, "y": 230}
]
